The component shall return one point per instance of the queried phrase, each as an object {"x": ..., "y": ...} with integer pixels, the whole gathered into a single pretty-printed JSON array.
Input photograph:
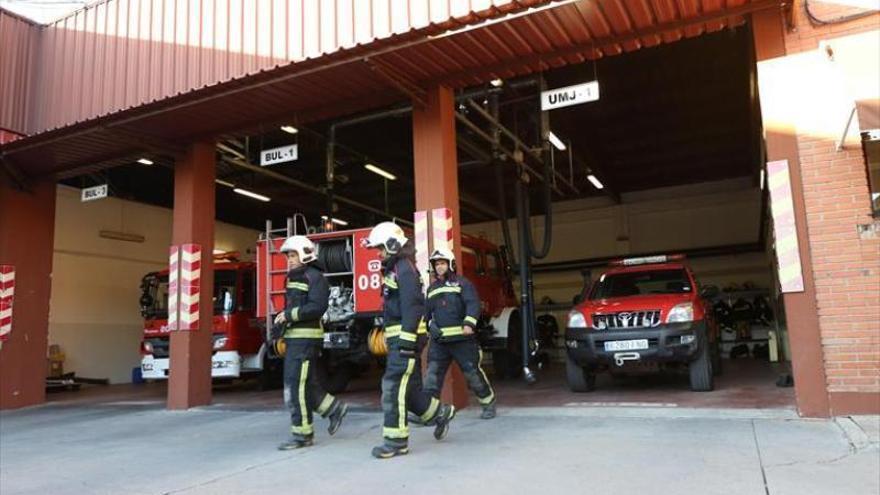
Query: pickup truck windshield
[{"x": 641, "y": 283}]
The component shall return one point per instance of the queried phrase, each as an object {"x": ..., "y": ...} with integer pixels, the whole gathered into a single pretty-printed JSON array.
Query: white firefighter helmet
[
  {"x": 388, "y": 235},
  {"x": 303, "y": 247},
  {"x": 443, "y": 254}
]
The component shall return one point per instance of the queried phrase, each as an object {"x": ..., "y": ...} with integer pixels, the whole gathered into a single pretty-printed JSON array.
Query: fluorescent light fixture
[
  {"x": 224, "y": 183},
  {"x": 555, "y": 141},
  {"x": 762, "y": 179},
  {"x": 144, "y": 161},
  {"x": 377, "y": 170},
  {"x": 337, "y": 221},
  {"x": 289, "y": 129},
  {"x": 219, "y": 251},
  {"x": 497, "y": 82},
  {"x": 593, "y": 180},
  {"x": 245, "y": 192}
]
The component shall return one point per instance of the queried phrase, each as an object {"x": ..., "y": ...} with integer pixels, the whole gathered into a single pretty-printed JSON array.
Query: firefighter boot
[
  {"x": 444, "y": 416},
  {"x": 336, "y": 416},
  {"x": 296, "y": 442},
  {"x": 391, "y": 448},
  {"x": 488, "y": 411}
]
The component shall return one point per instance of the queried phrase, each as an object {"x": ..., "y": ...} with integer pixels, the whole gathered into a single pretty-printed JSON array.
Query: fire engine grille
[{"x": 633, "y": 319}]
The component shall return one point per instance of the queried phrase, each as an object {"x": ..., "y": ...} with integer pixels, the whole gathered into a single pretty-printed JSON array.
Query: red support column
[
  {"x": 27, "y": 230},
  {"x": 436, "y": 181},
  {"x": 189, "y": 383}
]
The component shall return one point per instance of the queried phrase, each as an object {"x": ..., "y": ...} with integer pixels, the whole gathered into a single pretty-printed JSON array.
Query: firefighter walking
[
  {"x": 453, "y": 309},
  {"x": 307, "y": 295},
  {"x": 403, "y": 313}
]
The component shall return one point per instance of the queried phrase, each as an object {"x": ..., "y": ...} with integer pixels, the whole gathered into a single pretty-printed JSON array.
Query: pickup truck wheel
[
  {"x": 716, "y": 359},
  {"x": 579, "y": 378},
  {"x": 701, "y": 370}
]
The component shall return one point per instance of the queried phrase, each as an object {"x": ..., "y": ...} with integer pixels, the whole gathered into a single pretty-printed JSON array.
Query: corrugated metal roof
[
  {"x": 19, "y": 42},
  {"x": 368, "y": 76}
]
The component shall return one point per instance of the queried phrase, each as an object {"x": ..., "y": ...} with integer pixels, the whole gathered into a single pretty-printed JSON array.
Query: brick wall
[{"x": 846, "y": 266}]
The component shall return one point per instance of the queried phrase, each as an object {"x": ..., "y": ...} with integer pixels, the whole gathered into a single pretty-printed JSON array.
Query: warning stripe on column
[
  {"x": 173, "y": 297},
  {"x": 441, "y": 219},
  {"x": 7, "y": 291},
  {"x": 184, "y": 286},
  {"x": 788, "y": 255},
  {"x": 423, "y": 249}
]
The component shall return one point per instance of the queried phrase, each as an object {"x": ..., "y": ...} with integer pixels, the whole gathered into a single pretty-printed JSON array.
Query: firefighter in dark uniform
[
  {"x": 403, "y": 312},
  {"x": 453, "y": 309},
  {"x": 306, "y": 302}
]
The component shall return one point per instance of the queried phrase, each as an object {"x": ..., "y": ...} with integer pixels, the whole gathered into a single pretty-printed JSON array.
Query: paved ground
[{"x": 132, "y": 447}]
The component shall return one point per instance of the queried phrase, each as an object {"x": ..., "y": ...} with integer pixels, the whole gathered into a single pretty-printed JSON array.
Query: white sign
[
  {"x": 569, "y": 95},
  {"x": 93, "y": 193},
  {"x": 278, "y": 155}
]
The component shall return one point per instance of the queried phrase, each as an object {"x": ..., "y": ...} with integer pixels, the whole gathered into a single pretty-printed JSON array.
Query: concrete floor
[
  {"x": 746, "y": 383},
  {"x": 129, "y": 447}
]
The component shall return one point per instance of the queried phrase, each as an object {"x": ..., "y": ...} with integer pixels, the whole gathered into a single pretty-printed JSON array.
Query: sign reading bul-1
[
  {"x": 569, "y": 95},
  {"x": 278, "y": 155}
]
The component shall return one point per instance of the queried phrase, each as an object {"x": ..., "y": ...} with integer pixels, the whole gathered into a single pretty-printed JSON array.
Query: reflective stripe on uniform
[
  {"x": 392, "y": 331},
  {"x": 432, "y": 410},
  {"x": 423, "y": 328},
  {"x": 444, "y": 290},
  {"x": 488, "y": 399},
  {"x": 294, "y": 313},
  {"x": 451, "y": 331},
  {"x": 395, "y": 432},
  {"x": 298, "y": 285},
  {"x": 402, "y": 428},
  {"x": 305, "y": 428},
  {"x": 407, "y": 336},
  {"x": 325, "y": 404},
  {"x": 470, "y": 320},
  {"x": 304, "y": 333},
  {"x": 390, "y": 282}
]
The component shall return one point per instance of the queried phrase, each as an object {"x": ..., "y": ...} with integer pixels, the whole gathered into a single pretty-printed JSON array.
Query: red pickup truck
[{"x": 642, "y": 310}]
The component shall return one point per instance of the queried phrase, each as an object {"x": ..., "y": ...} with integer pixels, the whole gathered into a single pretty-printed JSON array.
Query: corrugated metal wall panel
[
  {"x": 19, "y": 45},
  {"x": 123, "y": 53}
]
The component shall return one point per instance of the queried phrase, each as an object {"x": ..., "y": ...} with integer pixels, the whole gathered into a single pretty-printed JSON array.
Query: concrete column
[
  {"x": 189, "y": 383},
  {"x": 436, "y": 179},
  {"x": 27, "y": 230},
  {"x": 805, "y": 339}
]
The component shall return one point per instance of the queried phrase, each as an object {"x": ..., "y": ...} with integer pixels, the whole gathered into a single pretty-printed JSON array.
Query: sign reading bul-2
[
  {"x": 278, "y": 155},
  {"x": 569, "y": 95},
  {"x": 93, "y": 193}
]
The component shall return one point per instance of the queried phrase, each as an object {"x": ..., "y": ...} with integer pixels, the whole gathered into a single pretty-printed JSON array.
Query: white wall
[
  {"x": 660, "y": 220},
  {"x": 94, "y": 313}
]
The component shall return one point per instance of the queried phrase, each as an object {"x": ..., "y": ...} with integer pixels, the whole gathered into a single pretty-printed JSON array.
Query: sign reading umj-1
[
  {"x": 569, "y": 95},
  {"x": 278, "y": 155}
]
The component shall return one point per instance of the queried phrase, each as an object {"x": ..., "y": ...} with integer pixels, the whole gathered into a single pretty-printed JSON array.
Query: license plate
[{"x": 626, "y": 345}]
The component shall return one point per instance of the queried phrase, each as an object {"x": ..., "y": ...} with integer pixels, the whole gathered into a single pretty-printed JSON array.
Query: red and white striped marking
[
  {"x": 423, "y": 249},
  {"x": 788, "y": 256},
  {"x": 441, "y": 220},
  {"x": 7, "y": 291},
  {"x": 184, "y": 287}
]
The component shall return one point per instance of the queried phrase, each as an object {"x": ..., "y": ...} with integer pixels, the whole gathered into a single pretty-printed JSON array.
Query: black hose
[
  {"x": 837, "y": 20},
  {"x": 502, "y": 208},
  {"x": 548, "y": 218},
  {"x": 334, "y": 257}
]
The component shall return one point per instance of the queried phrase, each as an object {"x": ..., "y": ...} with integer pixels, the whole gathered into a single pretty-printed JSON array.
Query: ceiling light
[
  {"x": 144, "y": 161},
  {"x": 762, "y": 179},
  {"x": 224, "y": 183},
  {"x": 377, "y": 170},
  {"x": 289, "y": 129},
  {"x": 219, "y": 251},
  {"x": 337, "y": 221},
  {"x": 245, "y": 192},
  {"x": 593, "y": 180},
  {"x": 497, "y": 82},
  {"x": 555, "y": 141}
]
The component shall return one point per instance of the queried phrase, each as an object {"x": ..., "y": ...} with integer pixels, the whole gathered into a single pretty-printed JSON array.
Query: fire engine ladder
[{"x": 271, "y": 235}]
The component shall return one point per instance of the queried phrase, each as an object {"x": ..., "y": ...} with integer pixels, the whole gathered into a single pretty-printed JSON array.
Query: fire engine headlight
[
  {"x": 681, "y": 313},
  {"x": 220, "y": 343},
  {"x": 576, "y": 320},
  {"x": 148, "y": 347}
]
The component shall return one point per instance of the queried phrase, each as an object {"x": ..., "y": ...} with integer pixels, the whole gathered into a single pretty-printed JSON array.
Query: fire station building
[{"x": 743, "y": 134}]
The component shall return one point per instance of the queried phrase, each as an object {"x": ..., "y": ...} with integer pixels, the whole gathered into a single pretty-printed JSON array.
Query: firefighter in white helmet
[
  {"x": 452, "y": 311},
  {"x": 306, "y": 302},
  {"x": 403, "y": 312}
]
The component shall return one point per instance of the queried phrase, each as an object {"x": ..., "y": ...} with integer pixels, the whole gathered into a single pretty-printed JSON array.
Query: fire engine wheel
[
  {"x": 272, "y": 375},
  {"x": 508, "y": 362},
  {"x": 579, "y": 378},
  {"x": 700, "y": 370}
]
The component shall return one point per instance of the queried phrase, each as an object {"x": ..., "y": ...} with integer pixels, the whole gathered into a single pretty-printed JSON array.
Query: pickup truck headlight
[
  {"x": 576, "y": 320},
  {"x": 220, "y": 343},
  {"x": 681, "y": 313}
]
